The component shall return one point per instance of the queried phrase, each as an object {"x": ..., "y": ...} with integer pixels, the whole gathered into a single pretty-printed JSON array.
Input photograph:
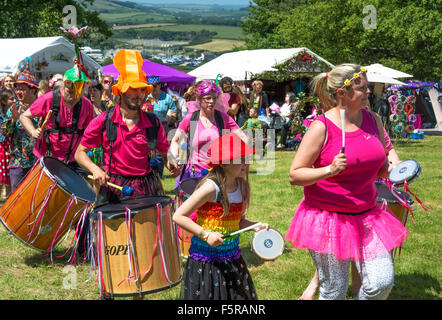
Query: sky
[{"x": 205, "y": 2}]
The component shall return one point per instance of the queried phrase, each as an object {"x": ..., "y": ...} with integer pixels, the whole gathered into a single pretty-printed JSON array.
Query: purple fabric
[
  {"x": 166, "y": 74},
  {"x": 201, "y": 257}
]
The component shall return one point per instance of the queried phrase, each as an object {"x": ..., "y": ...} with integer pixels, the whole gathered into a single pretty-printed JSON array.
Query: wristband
[
  {"x": 203, "y": 235},
  {"x": 328, "y": 170}
]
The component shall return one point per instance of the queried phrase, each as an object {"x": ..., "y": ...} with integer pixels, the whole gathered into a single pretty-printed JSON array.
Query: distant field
[
  {"x": 218, "y": 45},
  {"x": 145, "y": 25},
  {"x": 224, "y": 32},
  {"x": 123, "y": 18}
]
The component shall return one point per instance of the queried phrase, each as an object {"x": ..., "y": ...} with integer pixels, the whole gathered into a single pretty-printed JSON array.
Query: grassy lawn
[
  {"x": 27, "y": 273},
  {"x": 218, "y": 45}
]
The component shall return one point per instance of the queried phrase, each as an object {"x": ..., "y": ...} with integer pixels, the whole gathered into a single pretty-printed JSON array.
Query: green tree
[
  {"x": 402, "y": 34},
  {"x": 36, "y": 18}
]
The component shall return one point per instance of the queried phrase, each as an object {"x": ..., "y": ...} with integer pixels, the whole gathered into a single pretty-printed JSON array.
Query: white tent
[
  {"x": 241, "y": 65},
  {"x": 49, "y": 55},
  {"x": 389, "y": 72}
]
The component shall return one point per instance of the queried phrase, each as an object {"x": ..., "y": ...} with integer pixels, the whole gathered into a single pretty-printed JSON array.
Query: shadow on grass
[
  {"x": 58, "y": 260},
  {"x": 416, "y": 287},
  {"x": 253, "y": 260}
]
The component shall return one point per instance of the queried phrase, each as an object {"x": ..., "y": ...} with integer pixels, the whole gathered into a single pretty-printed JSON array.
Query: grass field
[
  {"x": 218, "y": 45},
  {"x": 27, "y": 274}
]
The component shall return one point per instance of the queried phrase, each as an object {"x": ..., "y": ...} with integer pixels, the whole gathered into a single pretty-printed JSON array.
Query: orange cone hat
[{"x": 129, "y": 64}]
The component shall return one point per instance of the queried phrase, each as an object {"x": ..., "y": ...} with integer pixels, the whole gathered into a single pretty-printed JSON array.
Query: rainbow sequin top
[{"x": 209, "y": 216}]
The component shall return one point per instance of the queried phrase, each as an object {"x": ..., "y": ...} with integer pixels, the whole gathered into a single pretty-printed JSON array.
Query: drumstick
[
  {"x": 126, "y": 190},
  {"x": 46, "y": 120},
  {"x": 242, "y": 230},
  {"x": 342, "y": 112}
]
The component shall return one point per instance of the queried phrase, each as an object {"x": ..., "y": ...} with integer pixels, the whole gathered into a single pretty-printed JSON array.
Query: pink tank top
[{"x": 353, "y": 190}]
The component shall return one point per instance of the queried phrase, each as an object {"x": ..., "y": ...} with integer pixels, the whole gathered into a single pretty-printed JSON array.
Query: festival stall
[
  {"x": 281, "y": 70},
  {"x": 425, "y": 106},
  {"x": 171, "y": 78},
  {"x": 49, "y": 56}
]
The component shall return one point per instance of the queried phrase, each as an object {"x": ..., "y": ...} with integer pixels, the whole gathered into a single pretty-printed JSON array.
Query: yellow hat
[{"x": 129, "y": 64}]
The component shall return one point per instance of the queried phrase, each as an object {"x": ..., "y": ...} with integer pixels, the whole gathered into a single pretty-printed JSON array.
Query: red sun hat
[{"x": 227, "y": 148}]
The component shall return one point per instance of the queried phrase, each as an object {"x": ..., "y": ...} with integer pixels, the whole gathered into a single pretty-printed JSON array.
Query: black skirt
[{"x": 217, "y": 281}]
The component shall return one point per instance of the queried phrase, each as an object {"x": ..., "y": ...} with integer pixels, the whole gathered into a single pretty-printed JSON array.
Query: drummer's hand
[
  {"x": 100, "y": 177},
  {"x": 37, "y": 133},
  {"x": 173, "y": 168},
  {"x": 339, "y": 163},
  {"x": 262, "y": 226},
  {"x": 215, "y": 239}
]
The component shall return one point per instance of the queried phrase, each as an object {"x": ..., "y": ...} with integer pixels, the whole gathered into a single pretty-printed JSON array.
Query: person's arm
[
  {"x": 383, "y": 171},
  {"x": 301, "y": 172},
  {"x": 174, "y": 149},
  {"x": 100, "y": 177},
  {"x": 26, "y": 120},
  {"x": 206, "y": 192}
]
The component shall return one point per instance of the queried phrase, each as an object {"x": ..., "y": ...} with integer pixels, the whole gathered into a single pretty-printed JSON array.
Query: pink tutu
[{"x": 358, "y": 237}]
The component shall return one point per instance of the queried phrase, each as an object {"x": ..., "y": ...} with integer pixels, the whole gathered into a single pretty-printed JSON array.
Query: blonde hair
[
  {"x": 324, "y": 85},
  {"x": 218, "y": 174}
]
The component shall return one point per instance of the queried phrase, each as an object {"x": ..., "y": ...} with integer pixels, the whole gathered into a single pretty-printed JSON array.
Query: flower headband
[
  {"x": 206, "y": 87},
  {"x": 257, "y": 82},
  {"x": 356, "y": 75}
]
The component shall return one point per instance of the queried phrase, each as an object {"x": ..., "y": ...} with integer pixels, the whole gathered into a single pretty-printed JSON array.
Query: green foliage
[
  {"x": 34, "y": 18},
  {"x": 405, "y": 34}
]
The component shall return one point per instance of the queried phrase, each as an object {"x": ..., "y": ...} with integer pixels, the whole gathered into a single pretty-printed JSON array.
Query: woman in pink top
[
  {"x": 338, "y": 220},
  {"x": 206, "y": 130}
]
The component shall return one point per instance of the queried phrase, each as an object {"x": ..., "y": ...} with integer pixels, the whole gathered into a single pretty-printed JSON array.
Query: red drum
[
  {"x": 48, "y": 202},
  {"x": 137, "y": 247}
]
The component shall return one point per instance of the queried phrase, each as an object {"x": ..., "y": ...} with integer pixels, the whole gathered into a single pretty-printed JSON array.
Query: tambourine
[
  {"x": 268, "y": 244},
  {"x": 408, "y": 170}
]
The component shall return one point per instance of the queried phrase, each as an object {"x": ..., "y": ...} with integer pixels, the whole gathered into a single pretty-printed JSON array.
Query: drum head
[
  {"x": 268, "y": 244},
  {"x": 385, "y": 194},
  {"x": 188, "y": 186},
  {"x": 406, "y": 170},
  {"x": 117, "y": 210},
  {"x": 67, "y": 179}
]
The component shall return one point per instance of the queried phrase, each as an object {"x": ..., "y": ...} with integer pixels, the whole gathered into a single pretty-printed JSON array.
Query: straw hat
[
  {"x": 227, "y": 148},
  {"x": 129, "y": 64}
]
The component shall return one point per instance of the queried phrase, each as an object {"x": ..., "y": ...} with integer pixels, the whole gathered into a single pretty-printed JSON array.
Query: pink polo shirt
[
  {"x": 130, "y": 153},
  {"x": 41, "y": 107}
]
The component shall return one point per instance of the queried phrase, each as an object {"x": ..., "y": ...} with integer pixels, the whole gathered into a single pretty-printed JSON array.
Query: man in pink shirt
[
  {"x": 71, "y": 113},
  {"x": 126, "y": 158}
]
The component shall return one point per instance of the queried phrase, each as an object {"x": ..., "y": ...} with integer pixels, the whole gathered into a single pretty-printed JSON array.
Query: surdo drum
[
  {"x": 48, "y": 202},
  {"x": 137, "y": 247}
]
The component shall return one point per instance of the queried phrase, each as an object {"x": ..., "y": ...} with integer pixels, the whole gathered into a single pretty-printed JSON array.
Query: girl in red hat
[{"x": 215, "y": 269}]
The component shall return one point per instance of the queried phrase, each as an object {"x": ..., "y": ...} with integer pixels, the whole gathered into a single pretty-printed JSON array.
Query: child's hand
[
  {"x": 262, "y": 226},
  {"x": 215, "y": 239}
]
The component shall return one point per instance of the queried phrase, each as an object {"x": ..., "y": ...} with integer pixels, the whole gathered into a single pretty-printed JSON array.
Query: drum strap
[
  {"x": 193, "y": 124},
  {"x": 75, "y": 132},
  {"x": 111, "y": 131}
]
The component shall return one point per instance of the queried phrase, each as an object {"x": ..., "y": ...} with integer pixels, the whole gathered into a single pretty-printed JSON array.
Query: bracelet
[{"x": 204, "y": 234}]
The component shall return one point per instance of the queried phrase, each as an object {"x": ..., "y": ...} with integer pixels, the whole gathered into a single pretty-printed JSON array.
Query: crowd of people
[{"x": 100, "y": 127}]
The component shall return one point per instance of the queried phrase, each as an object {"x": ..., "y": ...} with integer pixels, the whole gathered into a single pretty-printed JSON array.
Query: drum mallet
[
  {"x": 342, "y": 112},
  {"x": 242, "y": 230},
  {"x": 126, "y": 190},
  {"x": 46, "y": 120}
]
